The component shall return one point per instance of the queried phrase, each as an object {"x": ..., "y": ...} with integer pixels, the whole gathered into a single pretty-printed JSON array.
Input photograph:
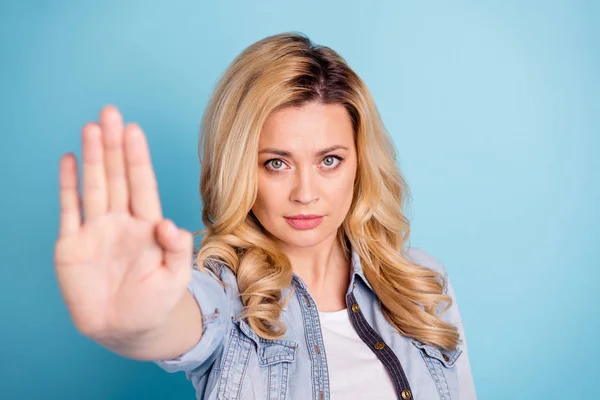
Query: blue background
[{"x": 494, "y": 108}]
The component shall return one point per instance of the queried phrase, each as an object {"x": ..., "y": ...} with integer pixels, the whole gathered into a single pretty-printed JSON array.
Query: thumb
[{"x": 177, "y": 243}]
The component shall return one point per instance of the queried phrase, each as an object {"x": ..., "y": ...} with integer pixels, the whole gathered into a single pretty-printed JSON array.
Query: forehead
[{"x": 312, "y": 126}]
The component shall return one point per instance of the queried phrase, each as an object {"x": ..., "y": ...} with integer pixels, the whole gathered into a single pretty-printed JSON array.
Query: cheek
[
  {"x": 346, "y": 191},
  {"x": 267, "y": 200},
  {"x": 341, "y": 188}
]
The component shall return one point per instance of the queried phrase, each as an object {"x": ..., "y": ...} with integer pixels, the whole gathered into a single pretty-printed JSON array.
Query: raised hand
[{"x": 121, "y": 267}]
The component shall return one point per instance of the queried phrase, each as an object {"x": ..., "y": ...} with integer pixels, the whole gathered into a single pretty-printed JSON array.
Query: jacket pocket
[
  {"x": 440, "y": 364},
  {"x": 272, "y": 367},
  {"x": 446, "y": 358}
]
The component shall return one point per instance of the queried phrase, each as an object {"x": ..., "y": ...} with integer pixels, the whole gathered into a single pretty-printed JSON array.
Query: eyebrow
[{"x": 284, "y": 153}]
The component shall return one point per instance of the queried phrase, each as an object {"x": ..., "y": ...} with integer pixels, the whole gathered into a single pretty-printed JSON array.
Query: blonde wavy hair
[{"x": 289, "y": 70}]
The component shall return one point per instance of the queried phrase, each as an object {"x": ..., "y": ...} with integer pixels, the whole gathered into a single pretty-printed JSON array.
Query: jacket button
[
  {"x": 355, "y": 307},
  {"x": 445, "y": 357},
  {"x": 379, "y": 345},
  {"x": 406, "y": 394},
  {"x": 307, "y": 301}
]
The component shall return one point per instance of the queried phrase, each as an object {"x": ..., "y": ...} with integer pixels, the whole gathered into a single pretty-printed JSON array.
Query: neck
[{"x": 325, "y": 269}]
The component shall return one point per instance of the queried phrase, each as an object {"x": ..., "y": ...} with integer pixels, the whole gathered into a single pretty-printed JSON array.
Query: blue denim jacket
[{"x": 232, "y": 362}]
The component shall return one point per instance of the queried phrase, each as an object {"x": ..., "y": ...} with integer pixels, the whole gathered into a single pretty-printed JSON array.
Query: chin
[
  {"x": 300, "y": 242},
  {"x": 299, "y": 238}
]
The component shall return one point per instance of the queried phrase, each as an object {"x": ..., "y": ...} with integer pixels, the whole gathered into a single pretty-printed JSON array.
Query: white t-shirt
[{"x": 357, "y": 374}]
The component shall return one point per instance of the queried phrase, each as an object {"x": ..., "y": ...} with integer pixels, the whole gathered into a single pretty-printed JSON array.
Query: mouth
[{"x": 304, "y": 222}]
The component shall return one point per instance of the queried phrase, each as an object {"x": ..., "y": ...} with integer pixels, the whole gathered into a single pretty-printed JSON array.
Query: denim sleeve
[
  {"x": 466, "y": 386},
  {"x": 214, "y": 304}
]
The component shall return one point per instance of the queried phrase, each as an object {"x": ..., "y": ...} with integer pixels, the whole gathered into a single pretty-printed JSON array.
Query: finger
[
  {"x": 177, "y": 243},
  {"x": 94, "y": 178},
  {"x": 111, "y": 123},
  {"x": 70, "y": 209},
  {"x": 143, "y": 188}
]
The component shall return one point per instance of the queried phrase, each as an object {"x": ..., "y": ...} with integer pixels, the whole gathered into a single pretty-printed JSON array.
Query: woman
[{"x": 305, "y": 286}]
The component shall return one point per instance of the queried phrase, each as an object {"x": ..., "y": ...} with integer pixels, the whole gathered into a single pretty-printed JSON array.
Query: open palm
[{"x": 121, "y": 267}]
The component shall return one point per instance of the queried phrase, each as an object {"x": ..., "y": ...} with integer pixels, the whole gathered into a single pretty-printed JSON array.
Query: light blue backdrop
[{"x": 494, "y": 108}]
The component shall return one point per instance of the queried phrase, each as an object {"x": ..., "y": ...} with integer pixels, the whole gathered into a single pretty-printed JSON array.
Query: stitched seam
[
  {"x": 227, "y": 365},
  {"x": 269, "y": 373},
  {"x": 444, "y": 383},
  {"x": 436, "y": 378},
  {"x": 435, "y": 370},
  {"x": 247, "y": 353},
  {"x": 284, "y": 380},
  {"x": 311, "y": 349}
]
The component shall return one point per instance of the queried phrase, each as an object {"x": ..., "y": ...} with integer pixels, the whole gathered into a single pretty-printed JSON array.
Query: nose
[{"x": 305, "y": 187}]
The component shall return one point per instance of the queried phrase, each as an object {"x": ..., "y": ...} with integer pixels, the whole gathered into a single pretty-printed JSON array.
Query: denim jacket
[{"x": 232, "y": 362}]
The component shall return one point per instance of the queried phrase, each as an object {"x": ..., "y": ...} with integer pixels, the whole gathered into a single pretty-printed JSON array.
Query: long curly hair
[{"x": 289, "y": 70}]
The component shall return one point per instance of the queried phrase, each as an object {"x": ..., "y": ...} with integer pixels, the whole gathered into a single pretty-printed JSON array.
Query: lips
[
  {"x": 303, "y": 221},
  {"x": 304, "y": 216}
]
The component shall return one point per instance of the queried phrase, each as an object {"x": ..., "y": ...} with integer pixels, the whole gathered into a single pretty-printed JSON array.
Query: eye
[
  {"x": 275, "y": 163},
  {"x": 331, "y": 162}
]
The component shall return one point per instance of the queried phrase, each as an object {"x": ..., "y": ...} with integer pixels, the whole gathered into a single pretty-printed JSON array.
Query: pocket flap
[
  {"x": 270, "y": 351},
  {"x": 447, "y": 358}
]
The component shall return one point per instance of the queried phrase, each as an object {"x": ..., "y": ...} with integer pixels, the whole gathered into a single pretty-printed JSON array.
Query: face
[{"x": 307, "y": 166}]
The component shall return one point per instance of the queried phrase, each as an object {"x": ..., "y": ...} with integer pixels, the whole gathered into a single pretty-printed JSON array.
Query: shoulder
[
  {"x": 424, "y": 259},
  {"x": 215, "y": 273},
  {"x": 214, "y": 268}
]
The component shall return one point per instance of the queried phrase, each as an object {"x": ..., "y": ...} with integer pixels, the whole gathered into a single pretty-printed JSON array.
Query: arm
[
  {"x": 465, "y": 378},
  {"x": 180, "y": 331},
  {"x": 122, "y": 268},
  {"x": 190, "y": 336},
  {"x": 466, "y": 386},
  {"x": 199, "y": 351}
]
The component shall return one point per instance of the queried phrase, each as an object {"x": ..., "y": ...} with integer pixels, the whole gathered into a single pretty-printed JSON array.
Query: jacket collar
[{"x": 356, "y": 270}]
